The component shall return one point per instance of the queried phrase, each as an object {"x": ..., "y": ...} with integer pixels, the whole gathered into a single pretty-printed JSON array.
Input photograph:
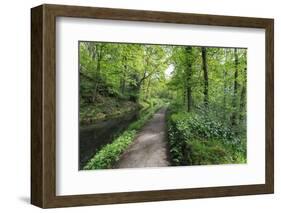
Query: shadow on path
[{"x": 149, "y": 149}]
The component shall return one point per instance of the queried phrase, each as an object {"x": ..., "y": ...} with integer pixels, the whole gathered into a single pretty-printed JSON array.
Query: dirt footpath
[{"x": 149, "y": 149}]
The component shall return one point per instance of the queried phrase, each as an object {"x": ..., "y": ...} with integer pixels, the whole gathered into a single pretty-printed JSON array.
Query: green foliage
[
  {"x": 223, "y": 103},
  {"x": 125, "y": 71},
  {"x": 110, "y": 154},
  {"x": 206, "y": 123},
  {"x": 203, "y": 127},
  {"x": 144, "y": 117},
  {"x": 196, "y": 140},
  {"x": 105, "y": 108},
  {"x": 214, "y": 132}
]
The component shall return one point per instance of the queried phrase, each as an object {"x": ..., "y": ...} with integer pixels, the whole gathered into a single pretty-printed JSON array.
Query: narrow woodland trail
[{"x": 149, "y": 149}]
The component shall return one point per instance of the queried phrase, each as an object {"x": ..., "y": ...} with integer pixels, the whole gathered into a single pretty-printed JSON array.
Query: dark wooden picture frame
[{"x": 43, "y": 105}]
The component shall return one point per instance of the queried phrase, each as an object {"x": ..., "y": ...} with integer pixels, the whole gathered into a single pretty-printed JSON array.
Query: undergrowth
[
  {"x": 197, "y": 140},
  {"x": 110, "y": 154}
]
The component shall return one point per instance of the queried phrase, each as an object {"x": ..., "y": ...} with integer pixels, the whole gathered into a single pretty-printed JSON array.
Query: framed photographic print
[{"x": 136, "y": 106}]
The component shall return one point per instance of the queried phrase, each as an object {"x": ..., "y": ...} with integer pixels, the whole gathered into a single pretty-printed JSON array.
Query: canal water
[{"x": 95, "y": 136}]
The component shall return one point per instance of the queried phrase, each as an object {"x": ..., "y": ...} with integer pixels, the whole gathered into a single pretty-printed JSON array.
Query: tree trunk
[
  {"x": 243, "y": 97},
  {"x": 235, "y": 89},
  {"x": 188, "y": 91},
  {"x": 224, "y": 87},
  {"x": 97, "y": 77},
  {"x": 123, "y": 78},
  {"x": 123, "y": 84},
  {"x": 205, "y": 73},
  {"x": 148, "y": 88}
]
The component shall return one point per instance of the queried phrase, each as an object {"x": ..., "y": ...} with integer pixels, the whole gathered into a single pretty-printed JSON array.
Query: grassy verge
[
  {"x": 197, "y": 140},
  {"x": 111, "y": 153}
]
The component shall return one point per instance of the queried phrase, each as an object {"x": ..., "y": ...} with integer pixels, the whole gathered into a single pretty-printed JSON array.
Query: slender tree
[
  {"x": 205, "y": 74},
  {"x": 188, "y": 71},
  {"x": 224, "y": 84},
  {"x": 243, "y": 96},
  {"x": 235, "y": 89},
  {"x": 123, "y": 77},
  {"x": 97, "y": 53},
  {"x": 147, "y": 91}
]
